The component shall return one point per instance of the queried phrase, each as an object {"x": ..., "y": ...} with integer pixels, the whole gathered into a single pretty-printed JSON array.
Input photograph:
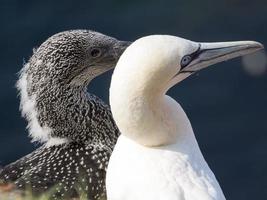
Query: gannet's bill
[
  {"x": 157, "y": 156},
  {"x": 76, "y": 128}
]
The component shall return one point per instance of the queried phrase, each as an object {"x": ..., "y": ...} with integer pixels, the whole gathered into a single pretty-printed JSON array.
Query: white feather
[
  {"x": 29, "y": 111},
  {"x": 170, "y": 172}
]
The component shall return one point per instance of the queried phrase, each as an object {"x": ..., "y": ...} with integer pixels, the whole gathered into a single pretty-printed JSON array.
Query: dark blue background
[{"x": 226, "y": 105}]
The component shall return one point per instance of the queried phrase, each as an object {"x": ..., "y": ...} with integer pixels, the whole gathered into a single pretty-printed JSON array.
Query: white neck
[{"x": 149, "y": 117}]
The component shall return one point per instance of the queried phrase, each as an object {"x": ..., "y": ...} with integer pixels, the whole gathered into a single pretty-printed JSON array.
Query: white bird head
[
  {"x": 153, "y": 64},
  {"x": 169, "y": 59}
]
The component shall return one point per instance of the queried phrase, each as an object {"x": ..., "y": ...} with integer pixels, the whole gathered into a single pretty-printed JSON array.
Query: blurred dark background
[{"x": 225, "y": 103}]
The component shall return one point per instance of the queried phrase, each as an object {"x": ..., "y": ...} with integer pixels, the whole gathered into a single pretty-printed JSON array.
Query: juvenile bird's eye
[
  {"x": 186, "y": 60},
  {"x": 95, "y": 53}
]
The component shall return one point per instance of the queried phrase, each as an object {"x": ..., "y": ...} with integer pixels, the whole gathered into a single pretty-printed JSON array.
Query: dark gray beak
[{"x": 120, "y": 47}]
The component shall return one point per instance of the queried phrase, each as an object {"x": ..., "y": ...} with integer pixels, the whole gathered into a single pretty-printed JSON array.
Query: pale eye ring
[
  {"x": 95, "y": 52},
  {"x": 186, "y": 60}
]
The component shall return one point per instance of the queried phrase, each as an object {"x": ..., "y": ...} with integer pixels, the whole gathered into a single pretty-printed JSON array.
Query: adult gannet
[
  {"x": 76, "y": 128},
  {"x": 157, "y": 156}
]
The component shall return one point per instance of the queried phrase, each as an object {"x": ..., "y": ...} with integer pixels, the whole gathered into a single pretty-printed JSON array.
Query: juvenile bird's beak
[
  {"x": 120, "y": 47},
  {"x": 211, "y": 53}
]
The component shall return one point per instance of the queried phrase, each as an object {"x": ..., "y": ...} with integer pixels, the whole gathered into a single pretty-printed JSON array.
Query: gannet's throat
[{"x": 155, "y": 118}]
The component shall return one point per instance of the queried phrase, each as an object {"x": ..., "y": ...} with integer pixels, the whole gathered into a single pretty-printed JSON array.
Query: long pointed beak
[{"x": 212, "y": 53}]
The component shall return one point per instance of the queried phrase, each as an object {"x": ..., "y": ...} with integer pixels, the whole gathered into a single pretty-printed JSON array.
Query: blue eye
[{"x": 185, "y": 61}]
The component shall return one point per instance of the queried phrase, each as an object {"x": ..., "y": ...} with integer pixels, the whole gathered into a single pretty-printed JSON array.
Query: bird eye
[
  {"x": 186, "y": 60},
  {"x": 95, "y": 53}
]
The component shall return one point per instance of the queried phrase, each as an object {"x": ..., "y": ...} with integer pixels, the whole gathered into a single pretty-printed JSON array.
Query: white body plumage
[{"x": 172, "y": 172}]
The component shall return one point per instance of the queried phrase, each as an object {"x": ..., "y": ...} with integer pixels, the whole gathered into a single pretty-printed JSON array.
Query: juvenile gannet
[
  {"x": 157, "y": 156},
  {"x": 76, "y": 128}
]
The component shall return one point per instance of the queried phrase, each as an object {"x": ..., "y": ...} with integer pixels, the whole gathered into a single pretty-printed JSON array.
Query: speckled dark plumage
[
  {"x": 68, "y": 170},
  {"x": 56, "y": 78}
]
